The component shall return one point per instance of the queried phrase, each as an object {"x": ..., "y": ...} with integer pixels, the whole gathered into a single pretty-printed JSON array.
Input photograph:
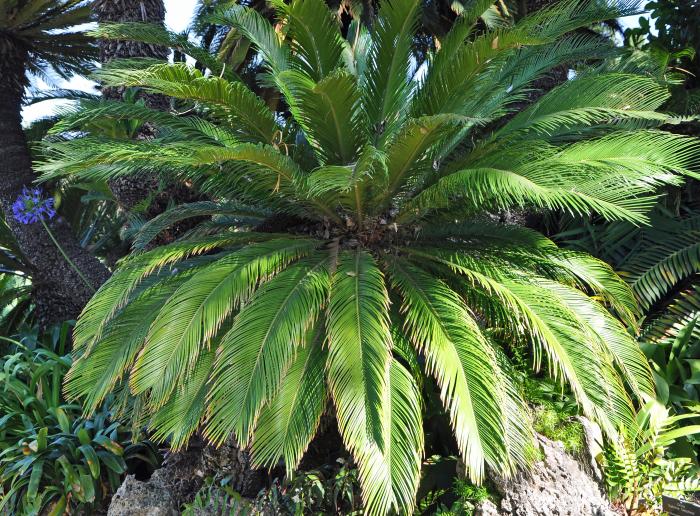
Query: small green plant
[
  {"x": 330, "y": 489},
  {"x": 217, "y": 498},
  {"x": 638, "y": 466},
  {"x": 53, "y": 460},
  {"x": 558, "y": 426},
  {"x": 468, "y": 498}
]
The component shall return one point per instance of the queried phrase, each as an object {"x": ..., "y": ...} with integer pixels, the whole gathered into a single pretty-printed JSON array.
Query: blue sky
[{"x": 177, "y": 17}]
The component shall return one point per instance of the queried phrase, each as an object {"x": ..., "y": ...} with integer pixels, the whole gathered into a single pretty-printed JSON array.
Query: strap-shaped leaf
[
  {"x": 386, "y": 81},
  {"x": 359, "y": 344},
  {"x": 314, "y": 35},
  {"x": 329, "y": 113},
  {"x": 439, "y": 324},
  {"x": 182, "y": 415},
  {"x": 193, "y": 315}
]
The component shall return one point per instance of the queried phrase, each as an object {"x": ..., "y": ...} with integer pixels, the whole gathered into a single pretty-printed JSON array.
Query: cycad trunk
[
  {"x": 130, "y": 191},
  {"x": 59, "y": 293}
]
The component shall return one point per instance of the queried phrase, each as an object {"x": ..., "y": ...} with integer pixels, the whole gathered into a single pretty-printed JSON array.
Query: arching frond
[
  {"x": 231, "y": 101},
  {"x": 590, "y": 100},
  {"x": 259, "y": 31},
  {"x": 158, "y": 35},
  {"x": 182, "y": 415},
  {"x": 317, "y": 46},
  {"x": 385, "y": 82},
  {"x": 458, "y": 355},
  {"x": 328, "y": 112},
  {"x": 116, "y": 292},
  {"x": 289, "y": 421},
  {"x": 230, "y": 210},
  {"x": 191, "y": 317},
  {"x": 258, "y": 348},
  {"x": 359, "y": 345}
]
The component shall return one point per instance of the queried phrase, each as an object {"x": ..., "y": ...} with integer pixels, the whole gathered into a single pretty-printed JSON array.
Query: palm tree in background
[
  {"x": 353, "y": 246},
  {"x": 37, "y": 38}
]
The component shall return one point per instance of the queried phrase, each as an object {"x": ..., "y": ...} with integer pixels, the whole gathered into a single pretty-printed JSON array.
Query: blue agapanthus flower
[{"x": 31, "y": 207}]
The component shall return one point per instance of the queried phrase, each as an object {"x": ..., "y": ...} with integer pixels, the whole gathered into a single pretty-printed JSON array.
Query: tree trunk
[
  {"x": 133, "y": 190},
  {"x": 59, "y": 292},
  {"x": 130, "y": 191}
]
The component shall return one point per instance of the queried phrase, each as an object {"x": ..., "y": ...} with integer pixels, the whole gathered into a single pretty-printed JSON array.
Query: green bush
[
  {"x": 639, "y": 467},
  {"x": 51, "y": 458}
]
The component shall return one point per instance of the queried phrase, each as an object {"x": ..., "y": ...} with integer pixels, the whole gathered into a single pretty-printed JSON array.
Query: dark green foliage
[
  {"x": 379, "y": 253},
  {"x": 50, "y": 455},
  {"x": 330, "y": 489}
]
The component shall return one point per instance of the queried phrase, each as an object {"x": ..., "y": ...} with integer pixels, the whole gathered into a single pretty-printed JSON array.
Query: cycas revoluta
[{"x": 353, "y": 240}]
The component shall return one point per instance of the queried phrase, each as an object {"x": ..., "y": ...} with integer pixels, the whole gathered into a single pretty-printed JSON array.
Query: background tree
[{"x": 37, "y": 38}]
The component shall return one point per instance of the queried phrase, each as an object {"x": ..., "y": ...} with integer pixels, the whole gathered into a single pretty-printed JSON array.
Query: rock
[
  {"x": 136, "y": 498},
  {"x": 182, "y": 475},
  {"x": 593, "y": 447},
  {"x": 487, "y": 508},
  {"x": 558, "y": 485}
]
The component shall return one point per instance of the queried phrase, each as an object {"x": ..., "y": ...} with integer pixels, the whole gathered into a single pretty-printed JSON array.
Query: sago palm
[{"x": 354, "y": 240}]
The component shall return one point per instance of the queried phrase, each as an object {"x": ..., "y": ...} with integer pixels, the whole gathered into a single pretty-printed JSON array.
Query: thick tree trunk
[
  {"x": 59, "y": 292},
  {"x": 130, "y": 191},
  {"x": 121, "y": 11}
]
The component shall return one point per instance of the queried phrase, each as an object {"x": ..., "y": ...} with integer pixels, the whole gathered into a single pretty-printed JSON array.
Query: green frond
[
  {"x": 289, "y": 421},
  {"x": 153, "y": 34},
  {"x": 49, "y": 31},
  {"x": 359, "y": 344},
  {"x": 619, "y": 344},
  {"x": 590, "y": 100},
  {"x": 574, "y": 350},
  {"x": 259, "y": 31},
  {"x": 386, "y": 85},
  {"x": 314, "y": 36},
  {"x": 97, "y": 370},
  {"x": 116, "y": 291},
  {"x": 193, "y": 315},
  {"x": 653, "y": 272},
  {"x": 231, "y": 101},
  {"x": 102, "y": 113},
  {"x": 182, "y": 415},
  {"x": 519, "y": 434},
  {"x": 599, "y": 277},
  {"x": 258, "y": 348},
  {"x": 403, "y": 428},
  {"x": 667, "y": 325},
  {"x": 408, "y": 156},
  {"x": 440, "y": 325},
  {"x": 615, "y": 176},
  {"x": 328, "y": 112},
  {"x": 548, "y": 319},
  {"x": 229, "y": 210}
]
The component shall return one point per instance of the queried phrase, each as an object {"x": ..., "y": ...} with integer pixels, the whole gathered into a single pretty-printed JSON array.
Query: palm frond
[
  {"x": 440, "y": 325},
  {"x": 258, "y": 348},
  {"x": 289, "y": 421},
  {"x": 314, "y": 35}
]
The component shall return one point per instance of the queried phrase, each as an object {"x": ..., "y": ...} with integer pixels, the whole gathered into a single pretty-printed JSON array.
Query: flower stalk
[{"x": 66, "y": 257}]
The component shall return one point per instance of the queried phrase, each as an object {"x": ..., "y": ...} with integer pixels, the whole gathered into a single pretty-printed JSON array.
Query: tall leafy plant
[{"x": 353, "y": 240}]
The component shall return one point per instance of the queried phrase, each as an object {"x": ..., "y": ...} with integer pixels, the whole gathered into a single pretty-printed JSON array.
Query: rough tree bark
[
  {"x": 130, "y": 191},
  {"x": 59, "y": 293}
]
